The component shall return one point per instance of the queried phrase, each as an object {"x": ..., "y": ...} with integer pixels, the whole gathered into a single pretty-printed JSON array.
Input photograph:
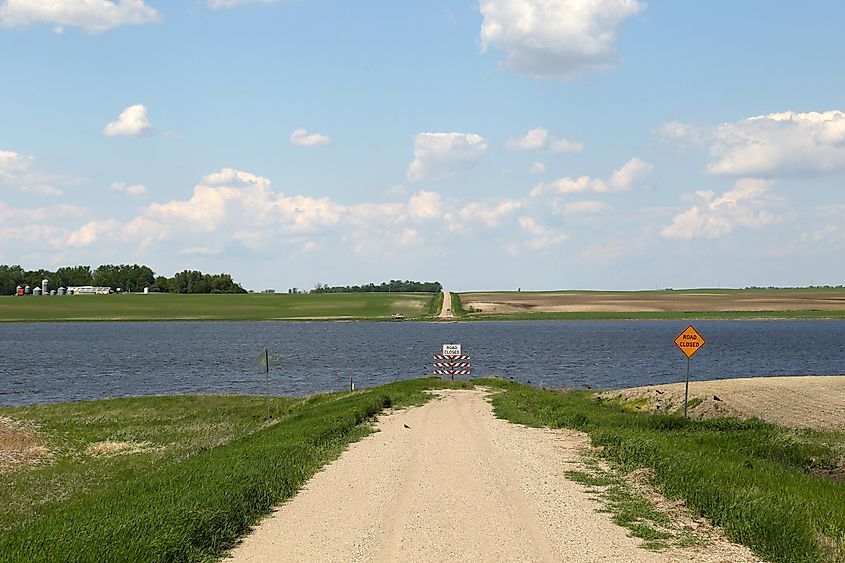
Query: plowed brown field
[{"x": 655, "y": 301}]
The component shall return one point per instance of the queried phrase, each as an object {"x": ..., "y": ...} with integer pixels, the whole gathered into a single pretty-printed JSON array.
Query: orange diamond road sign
[{"x": 689, "y": 341}]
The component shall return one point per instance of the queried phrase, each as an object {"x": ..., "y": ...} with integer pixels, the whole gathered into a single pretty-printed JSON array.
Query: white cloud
[
  {"x": 129, "y": 189},
  {"x": 13, "y": 164},
  {"x": 540, "y": 139},
  {"x": 20, "y": 172},
  {"x": 397, "y": 190},
  {"x": 201, "y": 250},
  {"x": 440, "y": 155},
  {"x": 132, "y": 122},
  {"x": 490, "y": 215},
  {"x": 87, "y": 234},
  {"x": 542, "y": 237},
  {"x": 746, "y": 205},
  {"x": 537, "y": 167},
  {"x": 777, "y": 144},
  {"x": 236, "y": 205},
  {"x": 631, "y": 174},
  {"x": 424, "y": 205},
  {"x": 38, "y": 215},
  {"x": 408, "y": 237},
  {"x": 684, "y": 134},
  {"x": 303, "y": 138},
  {"x": 94, "y": 16},
  {"x": 634, "y": 171},
  {"x": 46, "y": 191},
  {"x": 246, "y": 199},
  {"x": 585, "y": 207},
  {"x": 30, "y": 237},
  {"x": 555, "y": 38}
]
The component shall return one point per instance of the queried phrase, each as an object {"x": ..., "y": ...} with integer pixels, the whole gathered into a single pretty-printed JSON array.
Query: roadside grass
[
  {"x": 436, "y": 305},
  {"x": 766, "y": 486},
  {"x": 232, "y": 307},
  {"x": 209, "y": 469},
  {"x": 629, "y": 508},
  {"x": 457, "y": 306}
]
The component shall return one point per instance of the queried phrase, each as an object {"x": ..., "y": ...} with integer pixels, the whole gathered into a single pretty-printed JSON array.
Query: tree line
[
  {"x": 127, "y": 277},
  {"x": 392, "y": 286}
]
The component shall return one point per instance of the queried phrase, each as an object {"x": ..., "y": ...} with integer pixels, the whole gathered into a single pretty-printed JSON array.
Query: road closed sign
[
  {"x": 451, "y": 349},
  {"x": 689, "y": 341}
]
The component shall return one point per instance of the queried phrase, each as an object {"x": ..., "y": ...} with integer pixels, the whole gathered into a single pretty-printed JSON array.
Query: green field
[{"x": 222, "y": 307}]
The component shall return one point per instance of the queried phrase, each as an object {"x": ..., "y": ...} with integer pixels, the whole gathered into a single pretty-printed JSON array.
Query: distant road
[{"x": 446, "y": 309}]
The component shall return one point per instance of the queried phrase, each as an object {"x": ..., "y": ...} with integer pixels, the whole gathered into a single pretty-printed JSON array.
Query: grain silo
[{"x": 44, "y": 285}]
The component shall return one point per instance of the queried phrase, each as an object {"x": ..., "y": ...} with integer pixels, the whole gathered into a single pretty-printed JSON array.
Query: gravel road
[
  {"x": 449, "y": 482},
  {"x": 446, "y": 308}
]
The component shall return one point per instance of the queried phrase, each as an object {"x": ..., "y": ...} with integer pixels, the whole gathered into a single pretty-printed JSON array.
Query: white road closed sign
[{"x": 451, "y": 349}]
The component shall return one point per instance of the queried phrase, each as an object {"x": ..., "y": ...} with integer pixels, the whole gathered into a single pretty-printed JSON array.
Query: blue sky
[{"x": 540, "y": 144}]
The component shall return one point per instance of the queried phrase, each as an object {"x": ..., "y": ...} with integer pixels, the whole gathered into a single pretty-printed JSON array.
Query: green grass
[
  {"x": 457, "y": 306},
  {"x": 436, "y": 305},
  {"x": 212, "y": 469},
  {"x": 237, "y": 307},
  {"x": 629, "y": 508},
  {"x": 765, "y": 485}
]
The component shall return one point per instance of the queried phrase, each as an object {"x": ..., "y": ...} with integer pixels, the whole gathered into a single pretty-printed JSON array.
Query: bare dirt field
[
  {"x": 655, "y": 301},
  {"x": 450, "y": 482},
  {"x": 798, "y": 402}
]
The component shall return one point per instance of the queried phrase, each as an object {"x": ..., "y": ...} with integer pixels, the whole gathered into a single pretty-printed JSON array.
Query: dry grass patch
[
  {"x": 19, "y": 445},
  {"x": 111, "y": 448}
]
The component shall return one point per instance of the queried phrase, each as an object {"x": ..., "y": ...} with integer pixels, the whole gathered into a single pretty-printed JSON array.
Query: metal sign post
[
  {"x": 686, "y": 390},
  {"x": 455, "y": 362},
  {"x": 264, "y": 360},
  {"x": 689, "y": 342}
]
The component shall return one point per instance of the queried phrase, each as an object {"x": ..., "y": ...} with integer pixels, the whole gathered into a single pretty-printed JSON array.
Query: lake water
[{"x": 51, "y": 362}]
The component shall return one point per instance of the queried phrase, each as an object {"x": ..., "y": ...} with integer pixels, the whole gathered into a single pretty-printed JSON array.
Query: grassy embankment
[
  {"x": 436, "y": 305},
  {"x": 194, "y": 472},
  {"x": 777, "y": 490},
  {"x": 797, "y": 303},
  {"x": 193, "y": 475},
  {"x": 457, "y": 308},
  {"x": 236, "y": 307}
]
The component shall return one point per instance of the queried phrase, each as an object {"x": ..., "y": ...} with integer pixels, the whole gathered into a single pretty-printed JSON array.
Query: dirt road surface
[
  {"x": 446, "y": 309},
  {"x": 798, "y": 402},
  {"x": 449, "y": 482}
]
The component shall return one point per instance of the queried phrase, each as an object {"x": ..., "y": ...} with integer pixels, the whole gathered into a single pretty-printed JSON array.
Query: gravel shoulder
[
  {"x": 816, "y": 402},
  {"x": 450, "y": 482}
]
